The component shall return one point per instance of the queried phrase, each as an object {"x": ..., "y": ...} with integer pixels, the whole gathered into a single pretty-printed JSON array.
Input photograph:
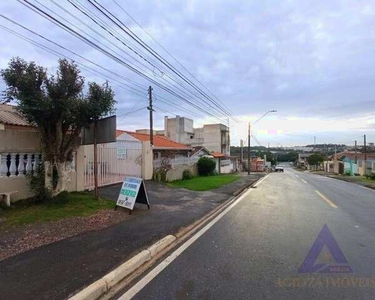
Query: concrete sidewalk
[{"x": 60, "y": 269}]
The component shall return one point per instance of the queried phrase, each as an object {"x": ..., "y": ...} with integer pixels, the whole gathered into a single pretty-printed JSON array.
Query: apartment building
[{"x": 214, "y": 137}]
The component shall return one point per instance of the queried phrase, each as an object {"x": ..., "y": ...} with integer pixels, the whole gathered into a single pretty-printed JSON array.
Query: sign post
[{"x": 133, "y": 190}]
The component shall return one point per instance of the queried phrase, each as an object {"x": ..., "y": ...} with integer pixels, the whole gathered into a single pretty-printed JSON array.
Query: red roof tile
[
  {"x": 9, "y": 115},
  {"x": 119, "y": 132},
  {"x": 351, "y": 155},
  {"x": 160, "y": 141},
  {"x": 217, "y": 154}
]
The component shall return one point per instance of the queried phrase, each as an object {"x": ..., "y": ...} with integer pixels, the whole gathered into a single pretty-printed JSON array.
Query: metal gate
[{"x": 115, "y": 162}]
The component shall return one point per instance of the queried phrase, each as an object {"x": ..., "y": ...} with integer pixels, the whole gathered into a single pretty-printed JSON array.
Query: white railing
[
  {"x": 114, "y": 164},
  {"x": 175, "y": 162},
  {"x": 18, "y": 164}
]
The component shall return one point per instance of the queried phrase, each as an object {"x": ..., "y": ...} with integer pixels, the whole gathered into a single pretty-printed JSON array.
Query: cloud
[{"x": 312, "y": 60}]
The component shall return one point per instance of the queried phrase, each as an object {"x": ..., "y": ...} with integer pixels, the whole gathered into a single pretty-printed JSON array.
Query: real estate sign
[{"x": 133, "y": 190}]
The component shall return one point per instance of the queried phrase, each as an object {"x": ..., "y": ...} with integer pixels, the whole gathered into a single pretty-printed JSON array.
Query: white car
[{"x": 279, "y": 169}]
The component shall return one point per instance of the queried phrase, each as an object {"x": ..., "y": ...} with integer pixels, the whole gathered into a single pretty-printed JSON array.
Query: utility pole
[
  {"x": 365, "y": 152},
  {"x": 248, "y": 151},
  {"x": 356, "y": 156},
  {"x": 241, "y": 144},
  {"x": 335, "y": 152},
  {"x": 151, "y": 117},
  {"x": 96, "y": 190}
]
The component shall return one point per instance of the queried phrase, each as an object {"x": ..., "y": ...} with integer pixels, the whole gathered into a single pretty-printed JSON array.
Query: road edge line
[{"x": 103, "y": 286}]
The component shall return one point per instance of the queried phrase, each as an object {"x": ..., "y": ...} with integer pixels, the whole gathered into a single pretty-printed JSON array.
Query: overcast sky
[{"x": 312, "y": 61}]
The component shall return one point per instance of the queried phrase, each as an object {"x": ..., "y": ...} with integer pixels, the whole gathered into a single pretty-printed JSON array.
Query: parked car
[{"x": 279, "y": 169}]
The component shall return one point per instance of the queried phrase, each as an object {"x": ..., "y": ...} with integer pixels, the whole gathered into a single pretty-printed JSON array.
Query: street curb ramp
[{"x": 104, "y": 285}]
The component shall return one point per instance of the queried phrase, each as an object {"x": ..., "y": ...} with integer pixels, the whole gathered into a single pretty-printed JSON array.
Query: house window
[
  {"x": 121, "y": 153},
  {"x": 191, "y": 137}
]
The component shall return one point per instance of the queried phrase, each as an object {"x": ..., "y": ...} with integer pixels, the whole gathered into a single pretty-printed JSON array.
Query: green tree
[
  {"x": 288, "y": 156},
  {"x": 270, "y": 157},
  {"x": 315, "y": 159},
  {"x": 57, "y": 106}
]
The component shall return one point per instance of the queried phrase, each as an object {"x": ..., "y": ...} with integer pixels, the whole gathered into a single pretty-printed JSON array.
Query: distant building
[
  {"x": 214, "y": 137},
  {"x": 303, "y": 159},
  {"x": 163, "y": 146}
]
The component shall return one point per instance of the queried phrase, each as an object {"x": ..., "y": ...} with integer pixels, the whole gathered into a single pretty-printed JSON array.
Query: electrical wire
[
  {"x": 115, "y": 58},
  {"x": 103, "y": 25},
  {"x": 75, "y": 53},
  {"x": 170, "y": 54},
  {"x": 109, "y": 15}
]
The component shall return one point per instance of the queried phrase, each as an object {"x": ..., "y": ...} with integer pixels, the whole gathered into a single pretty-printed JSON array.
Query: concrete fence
[
  {"x": 114, "y": 164},
  {"x": 177, "y": 172},
  {"x": 15, "y": 166},
  {"x": 176, "y": 162}
]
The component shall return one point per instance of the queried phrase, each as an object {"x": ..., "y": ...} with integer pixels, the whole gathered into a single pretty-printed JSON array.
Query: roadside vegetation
[
  {"x": 58, "y": 106},
  {"x": 208, "y": 179},
  {"x": 205, "y": 183},
  {"x": 65, "y": 205}
]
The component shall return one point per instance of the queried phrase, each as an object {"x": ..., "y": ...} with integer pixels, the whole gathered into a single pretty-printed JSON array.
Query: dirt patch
[{"x": 16, "y": 240}]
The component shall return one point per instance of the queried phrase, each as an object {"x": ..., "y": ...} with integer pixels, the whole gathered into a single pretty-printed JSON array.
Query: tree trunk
[
  {"x": 48, "y": 175},
  {"x": 62, "y": 177}
]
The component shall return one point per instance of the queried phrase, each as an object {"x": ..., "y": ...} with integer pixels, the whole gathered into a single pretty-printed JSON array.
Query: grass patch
[
  {"x": 364, "y": 179},
  {"x": 63, "y": 206},
  {"x": 205, "y": 183}
]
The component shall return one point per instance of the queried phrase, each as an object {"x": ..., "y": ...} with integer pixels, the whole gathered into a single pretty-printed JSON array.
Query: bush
[
  {"x": 371, "y": 176},
  {"x": 186, "y": 174},
  {"x": 37, "y": 185},
  {"x": 206, "y": 166}
]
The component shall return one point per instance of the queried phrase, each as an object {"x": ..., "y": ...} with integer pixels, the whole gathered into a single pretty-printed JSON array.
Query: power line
[
  {"x": 91, "y": 70},
  {"x": 86, "y": 14},
  {"x": 101, "y": 8},
  {"x": 130, "y": 112},
  {"x": 74, "y": 53},
  {"x": 79, "y": 7},
  {"x": 92, "y": 29},
  {"x": 170, "y": 54},
  {"x": 103, "y": 25},
  {"x": 166, "y": 101},
  {"x": 105, "y": 52},
  {"x": 166, "y": 111},
  {"x": 82, "y": 65}
]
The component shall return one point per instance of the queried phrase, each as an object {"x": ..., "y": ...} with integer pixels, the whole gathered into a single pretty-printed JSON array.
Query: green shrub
[
  {"x": 37, "y": 184},
  {"x": 371, "y": 176},
  {"x": 206, "y": 166},
  {"x": 186, "y": 174}
]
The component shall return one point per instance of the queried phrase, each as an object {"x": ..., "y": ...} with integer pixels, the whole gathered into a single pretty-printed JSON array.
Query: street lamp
[
  {"x": 248, "y": 137},
  {"x": 270, "y": 111}
]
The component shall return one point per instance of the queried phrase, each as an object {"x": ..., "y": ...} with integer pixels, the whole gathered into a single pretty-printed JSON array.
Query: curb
[
  {"x": 343, "y": 179},
  {"x": 104, "y": 285}
]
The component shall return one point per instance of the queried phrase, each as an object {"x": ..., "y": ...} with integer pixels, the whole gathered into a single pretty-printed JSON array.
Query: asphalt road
[{"x": 257, "y": 248}]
